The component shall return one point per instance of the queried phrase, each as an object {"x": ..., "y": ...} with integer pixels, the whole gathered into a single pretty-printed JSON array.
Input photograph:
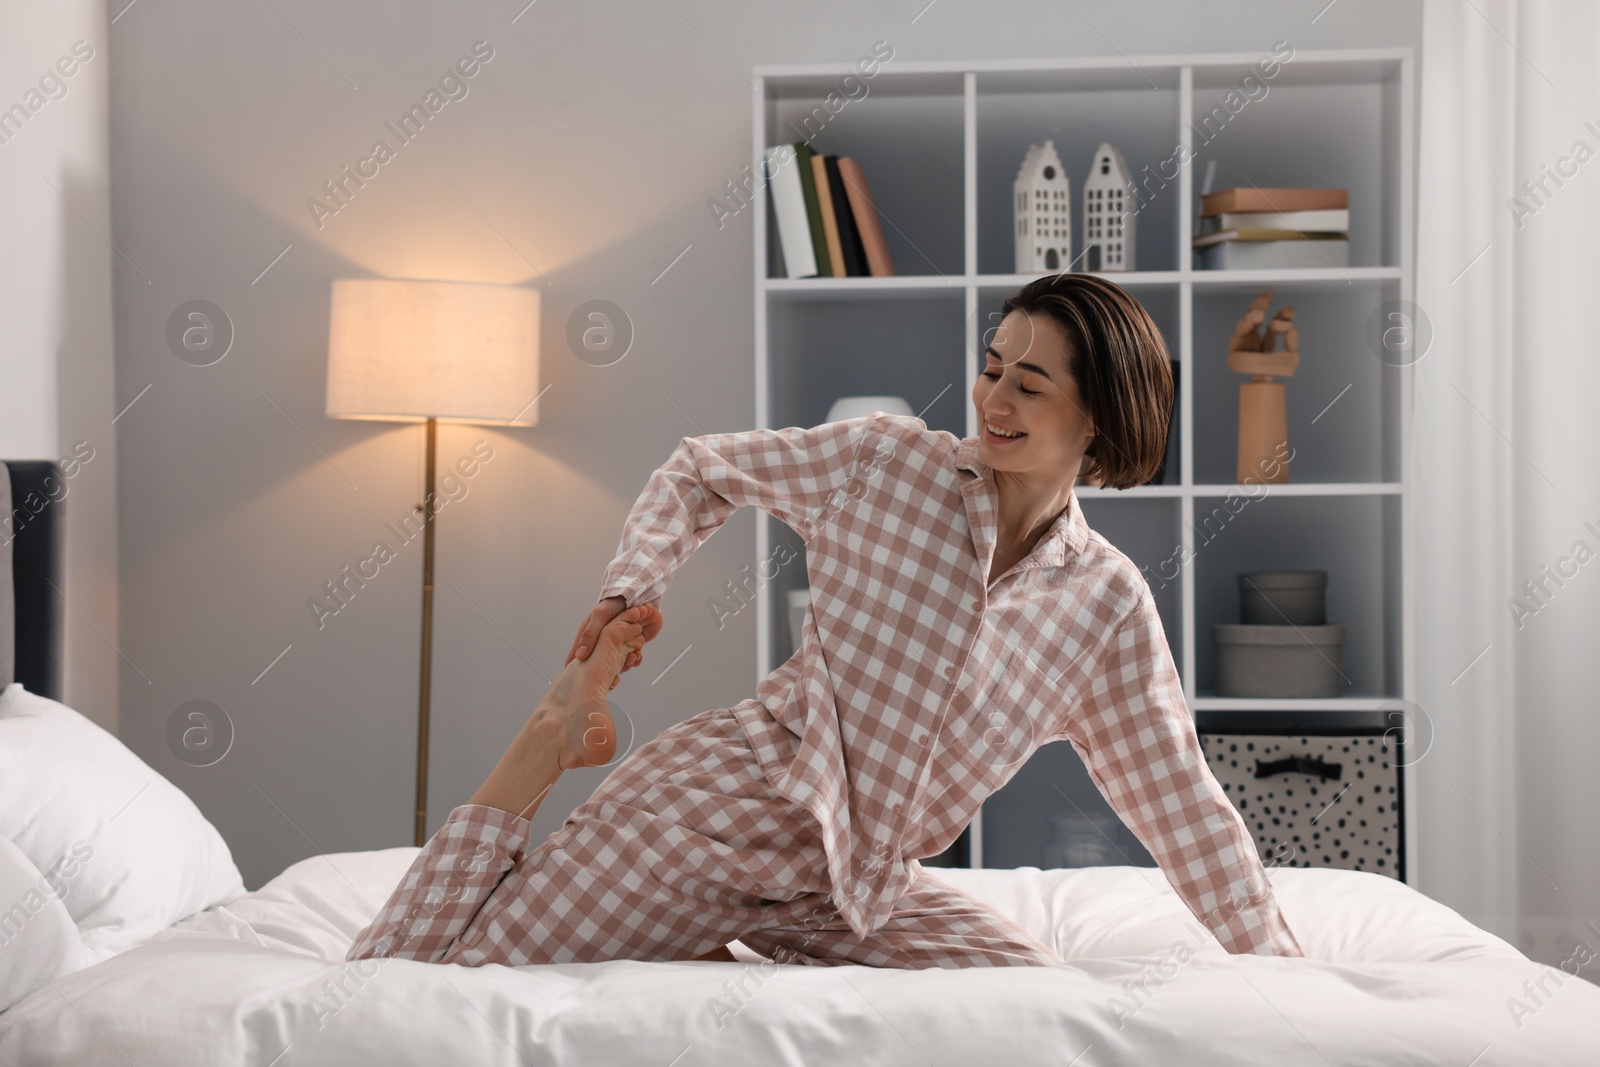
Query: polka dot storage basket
[{"x": 1317, "y": 789}]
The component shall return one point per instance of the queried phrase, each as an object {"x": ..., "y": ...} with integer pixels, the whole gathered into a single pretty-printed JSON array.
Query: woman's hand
[{"x": 602, "y": 613}]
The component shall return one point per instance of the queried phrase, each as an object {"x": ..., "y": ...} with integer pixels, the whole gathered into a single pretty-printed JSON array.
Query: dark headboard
[{"x": 32, "y": 495}]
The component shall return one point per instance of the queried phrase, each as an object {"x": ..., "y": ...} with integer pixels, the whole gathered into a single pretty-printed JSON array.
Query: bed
[
  {"x": 1391, "y": 978},
  {"x": 139, "y": 945}
]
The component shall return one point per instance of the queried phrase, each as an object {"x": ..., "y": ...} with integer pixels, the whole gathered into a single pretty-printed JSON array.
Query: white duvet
[{"x": 1392, "y": 978}]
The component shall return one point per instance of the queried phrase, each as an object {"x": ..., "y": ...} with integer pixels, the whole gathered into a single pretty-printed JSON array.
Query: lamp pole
[
  {"x": 410, "y": 350},
  {"x": 425, "y": 682}
]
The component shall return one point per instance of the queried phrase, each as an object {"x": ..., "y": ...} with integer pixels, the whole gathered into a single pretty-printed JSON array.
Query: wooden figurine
[{"x": 1263, "y": 411}]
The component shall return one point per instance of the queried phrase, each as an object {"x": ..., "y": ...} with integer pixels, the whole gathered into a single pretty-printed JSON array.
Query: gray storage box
[
  {"x": 1278, "y": 661},
  {"x": 1283, "y": 598}
]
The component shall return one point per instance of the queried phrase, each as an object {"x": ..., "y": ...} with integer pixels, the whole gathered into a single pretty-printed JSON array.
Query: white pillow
[
  {"x": 147, "y": 857},
  {"x": 38, "y": 940}
]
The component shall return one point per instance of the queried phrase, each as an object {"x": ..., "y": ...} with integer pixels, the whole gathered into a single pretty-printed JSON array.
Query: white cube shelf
[{"x": 941, "y": 143}]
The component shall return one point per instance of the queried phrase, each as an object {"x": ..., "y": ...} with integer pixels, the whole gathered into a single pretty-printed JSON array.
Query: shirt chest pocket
[
  {"x": 1021, "y": 689},
  {"x": 997, "y": 725}
]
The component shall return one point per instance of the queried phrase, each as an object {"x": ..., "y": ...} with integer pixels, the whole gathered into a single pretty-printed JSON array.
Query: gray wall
[
  {"x": 580, "y": 163},
  {"x": 55, "y": 303}
]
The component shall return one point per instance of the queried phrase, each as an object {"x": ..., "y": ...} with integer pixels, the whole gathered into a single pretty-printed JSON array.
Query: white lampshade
[{"x": 454, "y": 351}]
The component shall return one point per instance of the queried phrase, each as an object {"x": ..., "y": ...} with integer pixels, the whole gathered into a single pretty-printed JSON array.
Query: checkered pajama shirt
[{"x": 920, "y": 688}]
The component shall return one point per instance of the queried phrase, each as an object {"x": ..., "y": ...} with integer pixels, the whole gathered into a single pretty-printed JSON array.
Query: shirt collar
[{"x": 1069, "y": 531}]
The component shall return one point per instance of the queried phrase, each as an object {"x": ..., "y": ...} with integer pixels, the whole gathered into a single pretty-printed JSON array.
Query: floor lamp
[{"x": 425, "y": 351}]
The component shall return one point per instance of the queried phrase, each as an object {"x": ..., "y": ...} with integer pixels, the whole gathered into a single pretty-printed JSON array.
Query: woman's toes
[{"x": 617, "y": 640}]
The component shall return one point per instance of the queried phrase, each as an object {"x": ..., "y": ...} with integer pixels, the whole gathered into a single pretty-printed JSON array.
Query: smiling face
[{"x": 1026, "y": 388}]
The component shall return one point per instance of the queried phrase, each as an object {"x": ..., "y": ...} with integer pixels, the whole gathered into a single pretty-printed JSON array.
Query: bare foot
[
  {"x": 571, "y": 727},
  {"x": 578, "y": 698}
]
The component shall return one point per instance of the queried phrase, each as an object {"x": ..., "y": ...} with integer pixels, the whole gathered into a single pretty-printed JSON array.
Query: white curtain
[{"x": 1507, "y": 463}]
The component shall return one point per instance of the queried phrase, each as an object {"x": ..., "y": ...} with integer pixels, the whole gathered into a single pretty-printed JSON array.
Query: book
[
  {"x": 1253, "y": 198},
  {"x": 1272, "y": 255},
  {"x": 1252, "y": 233},
  {"x": 855, "y": 260},
  {"x": 819, "y": 242},
  {"x": 830, "y": 226},
  {"x": 789, "y": 209},
  {"x": 1330, "y": 220},
  {"x": 865, "y": 214}
]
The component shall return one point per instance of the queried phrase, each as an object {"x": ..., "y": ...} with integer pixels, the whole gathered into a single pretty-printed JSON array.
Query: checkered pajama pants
[{"x": 682, "y": 849}]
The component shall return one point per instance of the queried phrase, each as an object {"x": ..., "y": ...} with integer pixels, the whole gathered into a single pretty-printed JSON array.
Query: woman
[{"x": 962, "y": 614}]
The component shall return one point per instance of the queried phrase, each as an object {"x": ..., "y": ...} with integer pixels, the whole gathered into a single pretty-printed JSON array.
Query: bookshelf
[{"x": 940, "y": 143}]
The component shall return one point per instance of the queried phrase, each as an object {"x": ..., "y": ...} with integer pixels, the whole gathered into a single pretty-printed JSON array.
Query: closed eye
[{"x": 994, "y": 376}]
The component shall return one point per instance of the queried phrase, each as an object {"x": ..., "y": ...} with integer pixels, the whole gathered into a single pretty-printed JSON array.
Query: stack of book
[
  {"x": 1245, "y": 228},
  {"x": 827, "y": 224}
]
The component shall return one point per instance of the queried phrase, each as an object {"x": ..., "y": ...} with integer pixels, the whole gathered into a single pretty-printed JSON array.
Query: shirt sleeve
[
  {"x": 1139, "y": 743},
  {"x": 791, "y": 473},
  {"x": 445, "y": 886}
]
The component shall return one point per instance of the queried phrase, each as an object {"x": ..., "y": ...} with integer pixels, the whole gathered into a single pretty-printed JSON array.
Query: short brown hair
[{"x": 1119, "y": 360}]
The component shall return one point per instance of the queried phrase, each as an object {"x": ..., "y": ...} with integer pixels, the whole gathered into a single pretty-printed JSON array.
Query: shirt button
[
  {"x": 897, "y": 808},
  {"x": 949, "y": 672},
  {"x": 977, "y": 605},
  {"x": 922, "y": 739}
]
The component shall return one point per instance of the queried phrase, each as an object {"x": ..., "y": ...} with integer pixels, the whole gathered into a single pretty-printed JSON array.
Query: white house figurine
[
  {"x": 1109, "y": 214},
  {"x": 1043, "y": 209}
]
